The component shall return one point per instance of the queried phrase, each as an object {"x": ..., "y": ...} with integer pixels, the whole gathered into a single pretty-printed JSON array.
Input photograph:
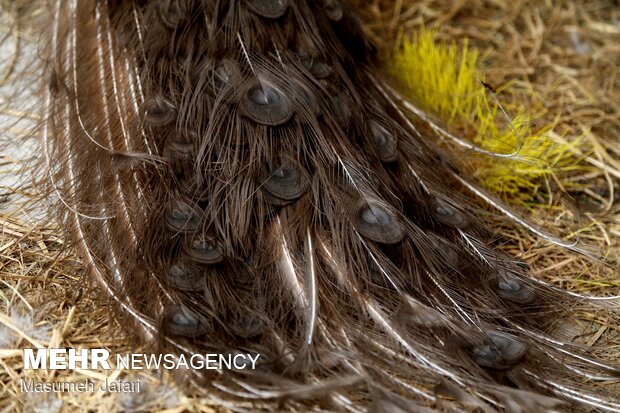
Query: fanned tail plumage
[{"x": 237, "y": 179}]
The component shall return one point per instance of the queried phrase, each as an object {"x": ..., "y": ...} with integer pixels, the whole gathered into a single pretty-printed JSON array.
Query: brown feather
[{"x": 236, "y": 177}]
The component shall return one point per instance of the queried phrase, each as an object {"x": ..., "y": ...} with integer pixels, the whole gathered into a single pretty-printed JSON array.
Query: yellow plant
[{"x": 446, "y": 82}]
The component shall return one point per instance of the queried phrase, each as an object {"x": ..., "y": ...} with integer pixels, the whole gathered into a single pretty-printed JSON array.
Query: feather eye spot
[
  {"x": 512, "y": 289},
  {"x": 447, "y": 214},
  {"x": 180, "y": 321},
  {"x": 183, "y": 278},
  {"x": 265, "y": 104},
  {"x": 180, "y": 150},
  {"x": 171, "y": 13},
  {"x": 271, "y": 9},
  {"x": 384, "y": 141},
  {"x": 320, "y": 70},
  {"x": 501, "y": 352},
  {"x": 317, "y": 68},
  {"x": 333, "y": 9},
  {"x": 375, "y": 216},
  {"x": 182, "y": 218},
  {"x": 247, "y": 326},
  {"x": 378, "y": 223},
  {"x": 204, "y": 251},
  {"x": 263, "y": 97},
  {"x": 158, "y": 111},
  {"x": 304, "y": 58},
  {"x": 275, "y": 201},
  {"x": 286, "y": 181},
  {"x": 223, "y": 74}
]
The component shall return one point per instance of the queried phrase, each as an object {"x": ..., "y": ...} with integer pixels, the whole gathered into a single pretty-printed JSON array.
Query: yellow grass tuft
[{"x": 445, "y": 80}]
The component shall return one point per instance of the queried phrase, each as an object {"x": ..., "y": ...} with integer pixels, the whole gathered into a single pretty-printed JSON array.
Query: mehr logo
[
  {"x": 99, "y": 358},
  {"x": 63, "y": 359}
]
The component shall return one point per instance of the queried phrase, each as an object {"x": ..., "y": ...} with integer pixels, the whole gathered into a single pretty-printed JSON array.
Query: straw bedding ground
[{"x": 564, "y": 55}]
